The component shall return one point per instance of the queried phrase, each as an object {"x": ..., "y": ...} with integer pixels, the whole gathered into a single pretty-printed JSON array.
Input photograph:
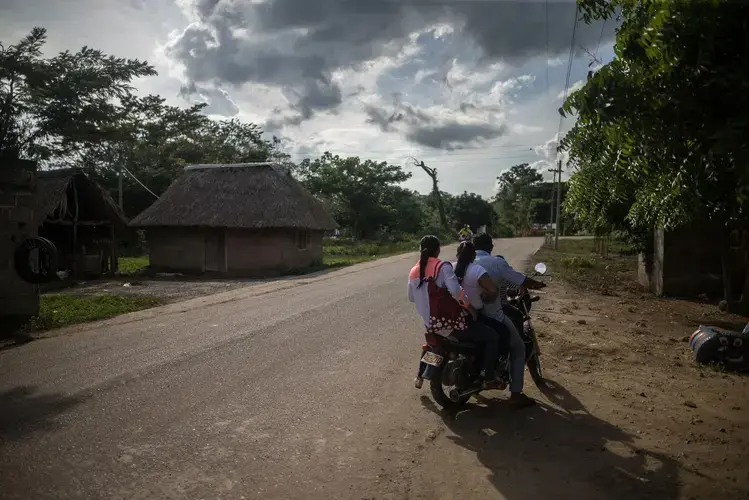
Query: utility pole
[
  {"x": 559, "y": 203},
  {"x": 551, "y": 204}
]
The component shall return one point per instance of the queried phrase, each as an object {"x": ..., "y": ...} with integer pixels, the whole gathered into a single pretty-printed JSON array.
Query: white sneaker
[{"x": 418, "y": 382}]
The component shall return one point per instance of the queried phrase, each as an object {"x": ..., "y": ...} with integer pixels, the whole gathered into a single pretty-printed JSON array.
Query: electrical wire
[
  {"x": 600, "y": 37},
  {"x": 141, "y": 184},
  {"x": 546, "y": 24},
  {"x": 569, "y": 71}
]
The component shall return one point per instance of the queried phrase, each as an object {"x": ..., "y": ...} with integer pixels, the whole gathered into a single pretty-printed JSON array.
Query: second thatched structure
[{"x": 248, "y": 219}]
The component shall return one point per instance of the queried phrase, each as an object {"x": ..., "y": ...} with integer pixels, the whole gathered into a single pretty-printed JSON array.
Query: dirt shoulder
[
  {"x": 626, "y": 356},
  {"x": 627, "y": 413}
]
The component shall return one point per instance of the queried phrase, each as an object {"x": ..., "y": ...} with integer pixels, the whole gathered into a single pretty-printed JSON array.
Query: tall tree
[
  {"x": 661, "y": 132},
  {"x": 472, "y": 209},
  {"x": 517, "y": 199},
  {"x": 156, "y": 140},
  {"x": 54, "y": 107},
  {"x": 436, "y": 193},
  {"x": 358, "y": 189}
]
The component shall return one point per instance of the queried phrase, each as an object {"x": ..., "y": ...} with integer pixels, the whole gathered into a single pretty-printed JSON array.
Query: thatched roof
[
  {"x": 246, "y": 195},
  {"x": 52, "y": 193}
]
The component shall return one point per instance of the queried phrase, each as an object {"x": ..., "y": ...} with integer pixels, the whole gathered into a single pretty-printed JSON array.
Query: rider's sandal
[{"x": 520, "y": 400}]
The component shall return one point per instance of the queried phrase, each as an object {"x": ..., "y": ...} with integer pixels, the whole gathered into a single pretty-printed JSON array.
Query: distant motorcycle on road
[{"x": 453, "y": 367}]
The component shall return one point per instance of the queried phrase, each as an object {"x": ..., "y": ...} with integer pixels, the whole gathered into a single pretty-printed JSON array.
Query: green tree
[
  {"x": 53, "y": 107},
  {"x": 358, "y": 190},
  {"x": 156, "y": 140},
  {"x": 660, "y": 137},
  {"x": 517, "y": 201},
  {"x": 472, "y": 209}
]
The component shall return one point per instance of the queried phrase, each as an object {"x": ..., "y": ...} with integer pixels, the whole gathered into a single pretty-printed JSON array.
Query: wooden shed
[
  {"x": 81, "y": 219},
  {"x": 248, "y": 219}
]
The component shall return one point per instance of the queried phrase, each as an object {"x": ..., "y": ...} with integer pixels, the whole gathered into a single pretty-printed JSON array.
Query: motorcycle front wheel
[{"x": 534, "y": 366}]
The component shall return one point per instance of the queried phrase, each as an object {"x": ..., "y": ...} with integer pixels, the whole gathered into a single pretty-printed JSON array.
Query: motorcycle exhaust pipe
[{"x": 455, "y": 396}]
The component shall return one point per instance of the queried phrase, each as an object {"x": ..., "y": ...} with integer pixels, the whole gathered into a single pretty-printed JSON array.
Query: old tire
[
  {"x": 47, "y": 260},
  {"x": 534, "y": 366}
]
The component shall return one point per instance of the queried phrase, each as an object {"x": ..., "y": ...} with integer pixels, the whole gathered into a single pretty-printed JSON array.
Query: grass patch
[
  {"x": 576, "y": 263},
  {"x": 56, "y": 311},
  {"x": 344, "y": 252},
  {"x": 341, "y": 252},
  {"x": 131, "y": 265}
]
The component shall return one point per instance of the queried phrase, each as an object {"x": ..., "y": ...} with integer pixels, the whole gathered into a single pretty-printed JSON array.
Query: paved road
[{"x": 293, "y": 389}]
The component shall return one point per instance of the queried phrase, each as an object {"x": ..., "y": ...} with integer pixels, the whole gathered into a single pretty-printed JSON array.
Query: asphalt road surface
[{"x": 294, "y": 389}]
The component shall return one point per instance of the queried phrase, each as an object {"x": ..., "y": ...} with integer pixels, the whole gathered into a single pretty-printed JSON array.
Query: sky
[{"x": 470, "y": 87}]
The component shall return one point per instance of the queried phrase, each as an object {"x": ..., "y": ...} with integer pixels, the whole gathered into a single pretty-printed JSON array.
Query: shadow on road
[
  {"x": 23, "y": 410},
  {"x": 558, "y": 452}
]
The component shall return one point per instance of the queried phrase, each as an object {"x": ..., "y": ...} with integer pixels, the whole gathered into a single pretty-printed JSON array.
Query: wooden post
[
  {"x": 559, "y": 202},
  {"x": 75, "y": 228},
  {"x": 115, "y": 266}
]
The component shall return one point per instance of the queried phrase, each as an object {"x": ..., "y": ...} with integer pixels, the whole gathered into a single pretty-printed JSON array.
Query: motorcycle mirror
[{"x": 540, "y": 268}]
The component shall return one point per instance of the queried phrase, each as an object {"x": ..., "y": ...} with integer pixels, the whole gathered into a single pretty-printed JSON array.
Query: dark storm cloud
[
  {"x": 454, "y": 135},
  {"x": 421, "y": 127},
  {"x": 297, "y": 44}
]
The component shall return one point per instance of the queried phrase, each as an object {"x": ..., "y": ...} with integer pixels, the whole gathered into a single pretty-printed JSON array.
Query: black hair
[
  {"x": 466, "y": 255},
  {"x": 483, "y": 242},
  {"x": 429, "y": 247}
]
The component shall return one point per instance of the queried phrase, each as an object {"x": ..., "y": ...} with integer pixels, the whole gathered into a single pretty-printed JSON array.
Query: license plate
[{"x": 432, "y": 359}]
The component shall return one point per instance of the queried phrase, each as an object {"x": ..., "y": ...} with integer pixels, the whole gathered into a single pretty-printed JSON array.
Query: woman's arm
[{"x": 447, "y": 279}]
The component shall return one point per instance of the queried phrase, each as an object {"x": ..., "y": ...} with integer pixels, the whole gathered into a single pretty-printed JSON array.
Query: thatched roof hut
[
  {"x": 241, "y": 219},
  {"x": 246, "y": 195}
]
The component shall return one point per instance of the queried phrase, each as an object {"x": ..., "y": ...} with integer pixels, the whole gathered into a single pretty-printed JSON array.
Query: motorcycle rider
[
  {"x": 502, "y": 274},
  {"x": 465, "y": 234},
  {"x": 441, "y": 303}
]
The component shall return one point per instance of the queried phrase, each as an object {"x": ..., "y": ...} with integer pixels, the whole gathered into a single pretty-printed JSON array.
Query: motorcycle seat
[{"x": 455, "y": 343}]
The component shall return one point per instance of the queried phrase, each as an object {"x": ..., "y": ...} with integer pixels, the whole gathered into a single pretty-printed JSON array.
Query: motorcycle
[{"x": 453, "y": 367}]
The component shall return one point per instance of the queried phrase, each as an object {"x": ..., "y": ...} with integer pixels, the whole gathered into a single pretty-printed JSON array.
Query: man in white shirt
[{"x": 503, "y": 274}]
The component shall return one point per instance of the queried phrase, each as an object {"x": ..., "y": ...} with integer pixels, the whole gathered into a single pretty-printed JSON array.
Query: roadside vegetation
[
  {"x": 578, "y": 263},
  {"x": 343, "y": 252},
  {"x": 57, "y": 311},
  {"x": 641, "y": 158},
  {"x": 132, "y": 265}
]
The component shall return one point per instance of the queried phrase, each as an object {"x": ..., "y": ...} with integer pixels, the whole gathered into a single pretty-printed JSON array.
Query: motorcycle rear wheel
[{"x": 439, "y": 396}]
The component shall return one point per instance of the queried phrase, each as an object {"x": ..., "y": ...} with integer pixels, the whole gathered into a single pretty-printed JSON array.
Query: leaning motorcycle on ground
[{"x": 453, "y": 367}]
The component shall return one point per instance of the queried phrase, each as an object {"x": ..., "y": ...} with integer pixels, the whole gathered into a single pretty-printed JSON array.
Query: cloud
[
  {"x": 299, "y": 45},
  {"x": 520, "y": 129},
  {"x": 218, "y": 101},
  {"x": 435, "y": 127},
  {"x": 573, "y": 88}
]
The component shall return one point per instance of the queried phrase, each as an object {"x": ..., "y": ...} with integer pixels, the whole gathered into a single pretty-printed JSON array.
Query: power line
[
  {"x": 546, "y": 24},
  {"x": 600, "y": 37},
  {"x": 569, "y": 70},
  {"x": 141, "y": 184},
  {"x": 559, "y": 130}
]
